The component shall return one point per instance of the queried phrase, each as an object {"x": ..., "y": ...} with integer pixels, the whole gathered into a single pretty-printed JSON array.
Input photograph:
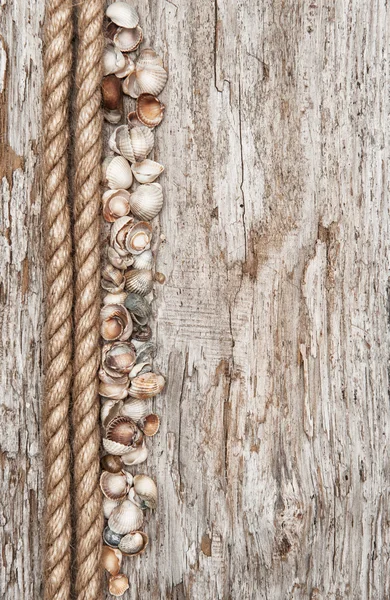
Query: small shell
[
  {"x": 150, "y": 111},
  {"x": 108, "y": 506},
  {"x": 118, "y": 358},
  {"x": 118, "y": 584},
  {"x": 111, "y": 538},
  {"x": 159, "y": 277},
  {"x": 113, "y": 391},
  {"x": 123, "y": 431},
  {"x": 133, "y": 120},
  {"x": 116, "y": 323},
  {"x": 138, "y": 306},
  {"x": 135, "y": 456},
  {"x": 116, "y": 204},
  {"x": 113, "y": 60},
  {"x": 112, "y": 279},
  {"x": 127, "y": 70},
  {"x": 147, "y": 201},
  {"x": 114, "y": 485},
  {"x": 139, "y": 237},
  {"x": 112, "y": 116},
  {"x": 149, "y": 425},
  {"x": 149, "y": 76},
  {"x": 117, "y": 173},
  {"x": 146, "y": 490},
  {"x": 115, "y": 447},
  {"x": 134, "y": 543},
  {"x": 119, "y": 232},
  {"x": 105, "y": 410},
  {"x": 127, "y": 40},
  {"x": 110, "y": 30},
  {"x": 118, "y": 260},
  {"x": 140, "y": 369},
  {"x": 145, "y": 352},
  {"x": 146, "y": 386},
  {"x": 144, "y": 260},
  {"x": 111, "y": 463},
  {"x": 147, "y": 170},
  {"x": 142, "y": 334},
  {"x": 111, "y": 92},
  {"x": 134, "y": 144},
  {"x": 123, "y": 14},
  {"x": 148, "y": 57},
  {"x": 111, "y": 559},
  {"x": 139, "y": 281},
  {"x": 117, "y": 298},
  {"x": 125, "y": 518},
  {"x": 134, "y": 409}
]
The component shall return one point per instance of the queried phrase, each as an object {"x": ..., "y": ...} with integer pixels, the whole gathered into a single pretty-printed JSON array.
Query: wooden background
[{"x": 272, "y": 460}]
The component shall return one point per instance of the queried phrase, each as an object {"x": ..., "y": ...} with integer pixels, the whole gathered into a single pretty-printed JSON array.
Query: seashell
[
  {"x": 106, "y": 408},
  {"x": 108, "y": 506},
  {"x": 130, "y": 479},
  {"x": 159, "y": 277},
  {"x": 146, "y": 386},
  {"x": 133, "y": 120},
  {"x": 139, "y": 281},
  {"x": 134, "y": 409},
  {"x": 125, "y": 518},
  {"x": 127, "y": 70},
  {"x": 111, "y": 92},
  {"x": 146, "y": 352},
  {"x": 115, "y": 447},
  {"x": 114, "y": 485},
  {"x": 119, "y": 379},
  {"x": 113, "y": 60},
  {"x": 138, "y": 307},
  {"x": 150, "y": 111},
  {"x": 119, "y": 231},
  {"x": 135, "y": 456},
  {"x": 149, "y": 425},
  {"x": 111, "y": 559},
  {"x": 123, "y": 431},
  {"x": 118, "y": 358},
  {"x": 111, "y": 538},
  {"x": 147, "y": 201},
  {"x": 148, "y": 57},
  {"x": 128, "y": 40},
  {"x": 144, "y": 260},
  {"x": 147, "y": 170},
  {"x": 118, "y": 584},
  {"x": 111, "y": 463},
  {"x": 117, "y": 173},
  {"x": 140, "y": 369},
  {"x": 116, "y": 204},
  {"x": 139, "y": 237},
  {"x": 121, "y": 262},
  {"x": 113, "y": 391},
  {"x": 110, "y": 30},
  {"x": 134, "y": 543},
  {"x": 112, "y": 116},
  {"x": 113, "y": 279},
  {"x": 111, "y": 412},
  {"x": 117, "y": 298},
  {"x": 134, "y": 144},
  {"x": 146, "y": 490},
  {"x": 123, "y": 14},
  {"x": 142, "y": 334},
  {"x": 149, "y": 76},
  {"x": 116, "y": 323}
]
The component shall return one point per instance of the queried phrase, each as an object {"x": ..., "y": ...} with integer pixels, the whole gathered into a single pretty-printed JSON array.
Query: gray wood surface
[{"x": 272, "y": 459}]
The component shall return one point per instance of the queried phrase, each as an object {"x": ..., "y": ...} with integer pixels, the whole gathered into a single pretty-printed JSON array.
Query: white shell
[
  {"x": 147, "y": 201},
  {"x": 127, "y": 40},
  {"x": 149, "y": 76},
  {"x": 133, "y": 543},
  {"x": 121, "y": 262},
  {"x": 108, "y": 506},
  {"x": 115, "y": 448},
  {"x": 112, "y": 116},
  {"x": 139, "y": 281},
  {"x": 146, "y": 489},
  {"x": 125, "y": 518},
  {"x": 144, "y": 260},
  {"x": 113, "y": 485},
  {"x": 146, "y": 386},
  {"x": 134, "y": 144},
  {"x": 135, "y": 409},
  {"x": 136, "y": 456},
  {"x": 147, "y": 170},
  {"x": 113, "y": 60},
  {"x": 117, "y": 298},
  {"x": 117, "y": 172},
  {"x": 105, "y": 409},
  {"x": 113, "y": 391},
  {"x": 148, "y": 57},
  {"x": 127, "y": 70},
  {"x": 123, "y": 14}
]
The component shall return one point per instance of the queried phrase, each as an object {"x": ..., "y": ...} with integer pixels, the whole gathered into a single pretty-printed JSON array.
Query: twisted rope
[
  {"x": 59, "y": 296},
  {"x": 85, "y": 412}
]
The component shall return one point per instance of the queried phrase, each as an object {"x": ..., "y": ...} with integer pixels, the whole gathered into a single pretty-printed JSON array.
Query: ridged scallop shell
[
  {"x": 149, "y": 425},
  {"x": 127, "y": 40},
  {"x": 149, "y": 76},
  {"x": 117, "y": 298},
  {"x": 125, "y": 518},
  {"x": 134, "y": 409},
  {"x": 134, "y": 543},
  {"x": 147, "y": 201},
  {"x": 146, "y": 386},
  {"x": 138, "y": 307},
  {"x": 118, "y": 584},
  {"x": 113, "y": 391},
  {"x": 135, "y": 456},
  {"x": 127, "y": 70},
  {"x": 114, "y": 485},
  {"x": 116, "y": 323},
  {"x": 134, "y": 144},
  {"x": 144, "y": 260},
  {"x": 139, "y": 237},
  {"x": 108, "y": 506},
  {"x": 149, "y": 109},
  {"x": 115, "y": 448},
  {"x": 147, "y": 170},
  {"x": 146, "y": 490},
  {"x": 112, "y": 116},
  {"x": 111, "y": 559},
  {"x": 117, "y": 173},
  {"x": 139, "y": 281},
  {"x": 123, "y": 431},
  {"x": 116, "y": 204},
  {"x": 123, "y": 14},
  {"x": 113, "y": 60}
]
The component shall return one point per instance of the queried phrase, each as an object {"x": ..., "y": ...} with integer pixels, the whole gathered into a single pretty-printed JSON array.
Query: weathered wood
[{"x": 272, "y": 327}]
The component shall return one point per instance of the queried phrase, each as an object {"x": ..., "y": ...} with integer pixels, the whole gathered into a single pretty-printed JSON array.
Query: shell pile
[{"x": 131, "y": 199}]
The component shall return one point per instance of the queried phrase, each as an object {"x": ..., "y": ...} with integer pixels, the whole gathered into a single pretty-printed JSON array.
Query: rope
[
  {"x": 59, "y": 296},
  {"x": 85, "y": 412}
]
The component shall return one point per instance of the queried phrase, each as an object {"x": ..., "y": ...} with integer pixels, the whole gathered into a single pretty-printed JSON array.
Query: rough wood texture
[{"x": 272, "y": 327}]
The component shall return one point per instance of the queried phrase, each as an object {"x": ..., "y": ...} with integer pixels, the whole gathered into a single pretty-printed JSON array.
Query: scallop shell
[
  {"x": 127, "y": 40},
  {"x": 144, "y": 260},
  {"x": 111, "y": 92},
  {"x": 117, "y": 298},
  {"x": 135, "y": 456},
  {"x": 113, "y": 391},
  {"x": 111, "y": 463},
  {"x": 117, "y": 173},
  {"x": 138, "y": 306},
  {"x": 111, "y": 559},
  {"x": 114, "y": 485},
  {"x": 146, "y": 386},
  {"x": 110, "y": 538},
  {"x": 149, "y": 425},
  {"x": 123, "y": 431},
  {"x": 139, "y": 281},
  {"x": 147, "y": 201},
  {"x": 149, "y": 109},
  {"x": 112, "y": 116},
  {"x": 134, "y": 543},
  {"x": 116, "y": 204},
  {"x": 134, "y": 144},
  {"x": 113, "y": 60},
  {"x": 118, "y": 584},
  {"x": 149, "y": 76},
  {"x": 108, "y": 506},
  {"x": 139, "y": 237},
  {"x": 116, "y": 323},
  {"x": 147, "y": 170},
  {"x": 125, "y": 518},
  {"x": 123, "y": 14},
  {"x": 134, "y": 409},
  {"x": 148, "y": 57},
  {"x": 146, "y": 490},
  {"x": 115, "y": 447},
  {"x": 127, "y": 70}
]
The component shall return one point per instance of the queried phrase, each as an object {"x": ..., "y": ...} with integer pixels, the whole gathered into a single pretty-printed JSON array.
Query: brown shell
[
  {"x": 111, "y": 463},
  {"x": 123, "y": 430},
  {"x": 111, "y": 92},
  {"x": 149, "y": 110},
  {"x": 133, "y": 120},
  {"x": 111, "y": 559},
  {"x": 149, "y": 425},
  {"x": 146, "y": 385}
]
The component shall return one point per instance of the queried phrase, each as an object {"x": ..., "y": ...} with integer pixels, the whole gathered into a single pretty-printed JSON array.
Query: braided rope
[
  {"x": 85, "y": 412},
  {"x": 59, "y": 297}
]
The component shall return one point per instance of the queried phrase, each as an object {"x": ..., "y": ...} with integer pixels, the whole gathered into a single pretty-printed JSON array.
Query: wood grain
[{"x": 272, "y": 459}]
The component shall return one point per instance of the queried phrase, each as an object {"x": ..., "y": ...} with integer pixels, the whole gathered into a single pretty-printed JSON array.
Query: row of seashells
[{"x": 131, "y": 199}]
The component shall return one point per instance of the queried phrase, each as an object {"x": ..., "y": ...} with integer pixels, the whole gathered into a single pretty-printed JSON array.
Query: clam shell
[
  {"x": 138, "y": 306},
  {"x": 118, "y": 358},
  {"x": 116, "y": 323},
  {"x": 148, "y": 57},
  {"x": 108, "y": 506},
  {"x": 135, "y": 409},
  {"x": 127, "y": 70},
  {"x": 123, "y": 14},
  {"x": 146, "y": 386},
  {"x": 146, "y": 490},
  {"x": 145, "y": 352},
  {"x": 140, "y": 369},
  {"x": 113, "y": 391},
  {"x": 149, "y": 425},
  {"x": 107, "y": 406},
  {"x": 114, "y": 485},
  {"x": 117, "y": 298},
  {"x": 113, "y": 60},
  {"x": 115, "y": 447},
  {"x": 134, "y": 543},
  {"x": 123, "y": 431},
  {"x": 111, "y": 92},
  {"x": 147, "y": 201},
  {"x": 134, "y": 144},
  {"x": 112, "y": 279},
  {"x": 143, "y": 333},
  {"x": 111, "y": 463},
  {"x": 144, "y": 260},
  {"x": 118, "y": 379},
  {"x": 149, "y": 109},
  {"x": 139, "y": 238},
  {"x": 118, "y": 584},
  {"x": 136, "y": 456},
  {"x": 127, "y": 40},
  {"x": 121, "y": 262},
  {"x": 110, "y": 538},
  {"x": 116, "y": 204},
  {"x": 111, "y": 559},
  {"x": 147, "y": 170},
  {"x": 125, "y": 518},
  {"x": 133, "y": 121},
  {"x": 139, "y": 281},
  {"x": 117, "y": 173},
  {"x": 111, "y": 414},
  {"x": 112, "y": 116}
]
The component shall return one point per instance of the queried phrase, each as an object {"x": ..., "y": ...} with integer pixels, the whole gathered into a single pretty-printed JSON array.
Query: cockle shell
[
  {"x": 110, "y": 538},
  {"x": 123, "y": 431},
  {"x": 116, "y": 323},
  {"x": 119, "y": 261},
  {"x": 118, "y": 358},
  {"x": 118, "y": 584},
  {"x": 149, "y": 109},
  {"x": 135, "y": 409},
  {"x": 149, "y": 76},
  {"x": 140, "y": 369},
  {"x": 111, "y": 559},
  {"x": 134, "y": 144},
  {"x": 146, "y": 386},
  {"x": 117, "y": 173},
  {"x": 110, "y": 29},
  {"x": 138, "y": 307},
  {"x": 123, "y": 14},
  {"x": 149, "y": 425},
  {"x": 105, "y": 410},
  {"x": 127, "y": 70},
  {"x": 136, "y": 456},
  {"x": 114, "y": 485},
  {"x": 113, "y": 279},
  {"x": 106, "y": 378},
  {"x": 115, "y": 447},
  {"x": 111, "y": 463},
  {"x": 144, "y": 260},
  {"x": 113, "y": 391},
  {"x": 113, "y": 60},
  {"x": 108, "y": 506},
  {"x": 125, "y": 518},
  {"x": 147, "y": 170},
  {"x": 139, "y": 281},
  {"x": 133, "y": 120},
  {"x": 147, "y": 201},
  {"x": 139, "y": 238},
  {"x": 116, "y": 204},
  {"x": 112, "y": 116},
  {"x": 148, "y": 57},
  {"x": 134, "y": 543},
  {"x": 111, "y": 92},
  {"x": 127, "y": 40},
  {"x": 117, "y": 298},
  {"x": 146, "y": 490}
]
